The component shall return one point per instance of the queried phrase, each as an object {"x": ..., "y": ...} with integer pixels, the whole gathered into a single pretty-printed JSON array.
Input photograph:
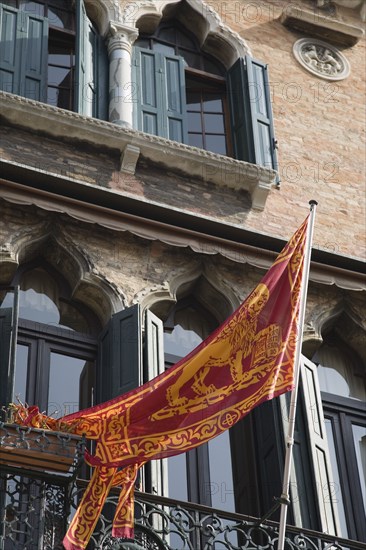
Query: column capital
[{"x": 121, "y": 36}]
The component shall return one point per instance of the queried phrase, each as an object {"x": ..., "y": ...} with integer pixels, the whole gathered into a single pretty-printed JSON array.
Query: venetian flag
[{"x": 247, "y": 360}]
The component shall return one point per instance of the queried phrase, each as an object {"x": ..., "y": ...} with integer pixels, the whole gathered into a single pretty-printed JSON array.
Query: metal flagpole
[{"x": 285, "y": 497}]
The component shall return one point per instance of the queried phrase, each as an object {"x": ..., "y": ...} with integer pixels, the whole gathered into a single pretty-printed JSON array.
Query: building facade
[{"x": 155, "y": 157}]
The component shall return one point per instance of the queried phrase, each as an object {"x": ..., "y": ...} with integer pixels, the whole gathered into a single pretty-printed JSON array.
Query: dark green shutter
[
  {"x": 102, "y": 77},
  {"x": 5, "y": 351},
  {"x": 160, "y": 107},
  {"x": 9, "y": 53},
  {"x": 319, "y": 453},
  {"x": 251, "y": 113},
  {"x": 119, "y": 363},
  {"x": 84, "y": 85},
  {"x": 91, "y": 75},
  {"x": 241, "y": 126},
  {"x": 156, "y": 471},
  {"x": 269, "y": 441},
  {"x": 23, "y": 54},
  {"x": 261, "y": 111}
]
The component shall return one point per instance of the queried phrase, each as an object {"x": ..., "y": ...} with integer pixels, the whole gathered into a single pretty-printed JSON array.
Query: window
[
  {"x": 186, "y": 95},
  {"x": 51, "y": 52},
  {"x": 343, "y": 391},
  {"x": 204, "y": 474},
  {"x": 56, "y": 348}
]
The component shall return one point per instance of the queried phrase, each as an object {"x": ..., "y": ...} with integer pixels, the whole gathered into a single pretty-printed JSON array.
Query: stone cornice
[
  {"x": 314, "y": 23},
  {"x": 177, "y": 157}
]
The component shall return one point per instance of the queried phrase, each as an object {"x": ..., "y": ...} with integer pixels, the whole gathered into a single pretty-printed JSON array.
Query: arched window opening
[
  {"x": 52, "y": 52},
  {"x": 342, "y": 376},
  {"x": 196, "y": 88},
  {"x": 56, "y": 345},
  {"x": 185, "y": 94},
  {"x": 203, "y": 475}
]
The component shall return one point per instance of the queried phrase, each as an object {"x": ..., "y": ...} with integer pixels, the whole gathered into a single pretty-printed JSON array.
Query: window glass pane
[
  {"x": 192, "y": 59},
  {"x": 337, "y": 371},
  {"x": 214, "y": 123},
  {"x": 167, "y": 34},
  {"x": 337, "y": 489},
  {"x": 177, "y": 475},
  {"x": 58, "y": 76},
  {"x": 359, "y": 436},
  {"x": 212, "y": 104},
  {"x": 216, "y": 144},
  {"x": 64, "y": 383},
  {"x": 193, "y": 101},
  {"x": 21, "y": 370},
  {"x": 212, "y": 67},
  {"x": 195, "y": 140},
  {"x": 35, "y": 8},
  {"x": 221, "y": 478},
  {"x": 185, "y": 41},
  {"x": 194, "y": 122},
  {"x": 60, "y": 18}
]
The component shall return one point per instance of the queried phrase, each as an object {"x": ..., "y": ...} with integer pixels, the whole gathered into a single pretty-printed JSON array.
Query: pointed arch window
[
  {"x": 55, "y": 353},
  {"x": 187, "y": 95},
  {"x": 342, "y": 380},
  {"x": 50, "y": 51},
  {"x": 199, "y": 475}
]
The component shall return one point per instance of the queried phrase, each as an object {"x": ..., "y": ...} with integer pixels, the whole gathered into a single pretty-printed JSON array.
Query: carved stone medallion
[{"x": 321, "y": 59}]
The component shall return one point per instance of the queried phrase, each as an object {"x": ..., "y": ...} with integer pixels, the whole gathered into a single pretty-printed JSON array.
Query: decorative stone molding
[
  {"x": 359, "y": 5},
  {"x": 313, "y": 23},
  {"x": 177, "y": 157},
  {"x": 321, "y": 59},
  {"x": 214, "y": 36}
]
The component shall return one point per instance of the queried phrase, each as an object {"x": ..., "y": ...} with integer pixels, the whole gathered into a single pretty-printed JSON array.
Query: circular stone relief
[{"x": 321, "y": 59}]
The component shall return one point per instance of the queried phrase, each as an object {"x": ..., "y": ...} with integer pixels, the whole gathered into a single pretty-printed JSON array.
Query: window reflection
[
  {"x": 336, "y": 495},
  {"x": 338, "y": 372},
  {"x": 64, "y": 384},
  {"x": 21, "y": 372},
  {"x": 39, "y": 301}
]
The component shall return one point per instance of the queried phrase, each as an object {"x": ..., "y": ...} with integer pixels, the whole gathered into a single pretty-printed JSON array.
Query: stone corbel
[{"x": 129, "y": 158}]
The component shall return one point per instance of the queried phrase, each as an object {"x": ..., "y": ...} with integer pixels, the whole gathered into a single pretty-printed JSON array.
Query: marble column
[{"x": 121, "y": 94}]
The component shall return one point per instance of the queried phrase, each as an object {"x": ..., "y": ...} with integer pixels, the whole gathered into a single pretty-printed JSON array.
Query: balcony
[{"x": 35, "y": 508}]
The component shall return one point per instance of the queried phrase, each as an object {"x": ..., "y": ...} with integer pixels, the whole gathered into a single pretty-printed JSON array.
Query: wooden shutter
[
  {"x": 156, "y": 470},
  {"x": 6, "y": 321},
  {"x": 102, "y": 77},
  {"x": 9, "y": 53},
  {"x": 320, "y": 459},
  {"x": 251, "y": 113},
  {"x": 269, "y": 440},
  {"x": 84, "y": 74},
  {"x": 240, "y": 112},
  {"x": 160, "y": 107},
  {"x": 23, "y": 53},
  {"x": 119, "y": 367},
  {"x": 261, "y": 111}
]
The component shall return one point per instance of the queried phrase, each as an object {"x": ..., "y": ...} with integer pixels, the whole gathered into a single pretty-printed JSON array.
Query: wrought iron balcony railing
[{"x": 35, "y": 510}]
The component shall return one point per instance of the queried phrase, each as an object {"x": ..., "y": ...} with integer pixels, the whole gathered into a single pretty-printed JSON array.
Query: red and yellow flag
[{"x": 247, "y": 360}]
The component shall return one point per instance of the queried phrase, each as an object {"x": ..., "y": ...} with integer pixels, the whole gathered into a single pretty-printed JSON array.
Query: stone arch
[
  {"x": 66, "y": 258},
  {"x": 102, "y": 12},
  {"x": 214, "y": 36},
  {"x": 343, "y": 318},
  {"x": 201, "y": 283}
]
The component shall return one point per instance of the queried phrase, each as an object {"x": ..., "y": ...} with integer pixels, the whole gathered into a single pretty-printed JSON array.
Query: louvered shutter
[
  {"x": 120, "y": 359},
  {"x": 23, "y": 53}
]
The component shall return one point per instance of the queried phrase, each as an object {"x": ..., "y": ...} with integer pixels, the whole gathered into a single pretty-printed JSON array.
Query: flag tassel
[{"x": 285, "y": 496}]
